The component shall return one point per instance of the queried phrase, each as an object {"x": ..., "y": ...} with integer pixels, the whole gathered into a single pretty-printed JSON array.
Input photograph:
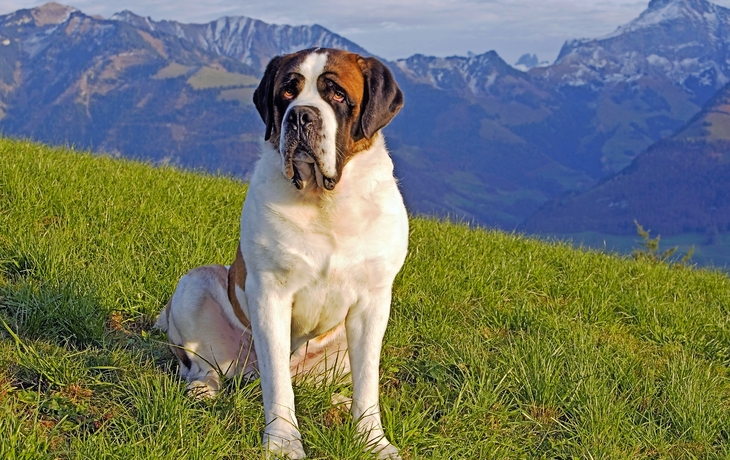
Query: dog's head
[{"x": 321, "y": 107}]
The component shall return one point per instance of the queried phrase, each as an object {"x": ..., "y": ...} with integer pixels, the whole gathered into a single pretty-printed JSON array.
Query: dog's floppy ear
[
  {"x": 382, "y": 99},
  {"x": 263, "y": 97}
]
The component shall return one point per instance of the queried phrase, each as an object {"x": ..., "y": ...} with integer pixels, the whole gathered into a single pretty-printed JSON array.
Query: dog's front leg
[
  {"x": 270, "y": 313},
  {"x": 366, "y": 324}
]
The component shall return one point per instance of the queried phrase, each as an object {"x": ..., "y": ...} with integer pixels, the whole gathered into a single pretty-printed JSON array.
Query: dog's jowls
[{"x": 323, "y": 234}]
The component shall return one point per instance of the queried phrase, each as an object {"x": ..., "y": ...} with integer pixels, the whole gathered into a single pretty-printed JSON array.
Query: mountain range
[
  {"x": 478, "y": 139},
  {"x": 680, "y": 185}
]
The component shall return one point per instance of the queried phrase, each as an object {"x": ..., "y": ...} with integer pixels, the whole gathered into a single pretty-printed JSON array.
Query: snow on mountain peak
[
  {"x": 684, "y": 41},
  {"x": 247, "y": 40},
  {"x": 664, "y": 11},
  {"x": 473, "y": 74}
]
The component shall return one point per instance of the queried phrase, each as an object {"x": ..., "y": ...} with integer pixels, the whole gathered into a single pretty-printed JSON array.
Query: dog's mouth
[{"x": 300, "y": 166}]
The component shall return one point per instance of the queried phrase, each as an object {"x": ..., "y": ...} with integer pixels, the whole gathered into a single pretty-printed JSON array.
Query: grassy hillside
[{"x": 498, "y": 347}]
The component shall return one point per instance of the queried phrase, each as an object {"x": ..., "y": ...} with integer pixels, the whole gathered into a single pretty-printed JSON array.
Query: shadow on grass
[{"x": 53, "y": 324}]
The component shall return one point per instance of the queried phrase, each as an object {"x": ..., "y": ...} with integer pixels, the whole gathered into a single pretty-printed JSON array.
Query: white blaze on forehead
[{"x": 311, "y": 68}]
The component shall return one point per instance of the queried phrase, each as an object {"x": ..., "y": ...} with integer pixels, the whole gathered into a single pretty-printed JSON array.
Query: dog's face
[{"x": 321, "y": 107}]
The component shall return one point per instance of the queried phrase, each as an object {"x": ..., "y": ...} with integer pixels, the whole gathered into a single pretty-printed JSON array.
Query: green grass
[
  {"x": 208, "y": 77},
  {"x": 499, "y": 346},
  {"x": 172, "y": 70}
]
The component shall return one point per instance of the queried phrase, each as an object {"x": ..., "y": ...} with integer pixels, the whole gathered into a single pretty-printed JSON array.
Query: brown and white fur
[{"x": 323, "y": 234}]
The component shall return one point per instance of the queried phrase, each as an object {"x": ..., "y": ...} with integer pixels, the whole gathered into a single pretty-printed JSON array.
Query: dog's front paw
[
  {"x": 386, "y": 451},
  {"x": 205, "y": 388},
  {"x": 376, "y": 442},
  {"x": 283, "y": 444}
]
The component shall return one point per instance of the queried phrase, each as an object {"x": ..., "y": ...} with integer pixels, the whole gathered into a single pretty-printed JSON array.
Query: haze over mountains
[{"x": 478, "y": 138}]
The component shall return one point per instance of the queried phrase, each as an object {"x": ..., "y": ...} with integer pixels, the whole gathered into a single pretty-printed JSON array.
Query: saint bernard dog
[{"x": 323, "y": 234}]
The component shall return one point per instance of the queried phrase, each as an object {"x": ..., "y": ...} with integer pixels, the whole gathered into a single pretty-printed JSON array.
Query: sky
[{"x": 395, "y": 29}]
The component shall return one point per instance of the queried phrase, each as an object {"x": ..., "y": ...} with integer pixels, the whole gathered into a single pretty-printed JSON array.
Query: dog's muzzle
[{"x": 302, "y": 147}]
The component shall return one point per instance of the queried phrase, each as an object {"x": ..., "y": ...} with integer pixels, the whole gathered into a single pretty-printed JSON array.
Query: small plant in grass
[{"x": 649, "y": 248}]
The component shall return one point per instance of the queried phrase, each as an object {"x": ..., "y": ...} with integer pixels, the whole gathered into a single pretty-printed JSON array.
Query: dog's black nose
[
  {"x": 328, "y": 183},
  {"x": 301, "y": 117}
]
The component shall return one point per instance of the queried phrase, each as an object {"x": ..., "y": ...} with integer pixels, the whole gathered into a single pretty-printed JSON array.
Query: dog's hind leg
[
  {"x": 202, "y": 337},
  {"x": 323, "y": 358}
]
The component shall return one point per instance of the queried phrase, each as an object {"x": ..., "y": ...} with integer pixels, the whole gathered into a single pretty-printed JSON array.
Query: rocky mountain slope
[
  {"x": 247, "y": 40},
  {"x": 454, "y": 147},
  {"x": 679, "y": 185},
  {"x": 643, "y": 81},
  {"x": 684, "y": 41},
  {"x": 584, "y": 118},
  {"x": 604, "y": 100}
]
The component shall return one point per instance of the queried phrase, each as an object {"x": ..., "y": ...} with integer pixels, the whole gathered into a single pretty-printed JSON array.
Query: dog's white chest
[
  {"x": 324, "y": 301},
  {"x": 332, "y": 271},
  {"x": 328, "y": 257}
]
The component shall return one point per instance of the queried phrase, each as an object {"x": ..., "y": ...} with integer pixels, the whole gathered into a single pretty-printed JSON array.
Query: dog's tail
[{"x": 164, "y": 317}]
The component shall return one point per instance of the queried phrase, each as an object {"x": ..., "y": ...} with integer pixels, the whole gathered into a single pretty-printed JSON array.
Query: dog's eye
[
  {"x": 288, "y": 94},
  {"x": 338, "y": 96}
]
